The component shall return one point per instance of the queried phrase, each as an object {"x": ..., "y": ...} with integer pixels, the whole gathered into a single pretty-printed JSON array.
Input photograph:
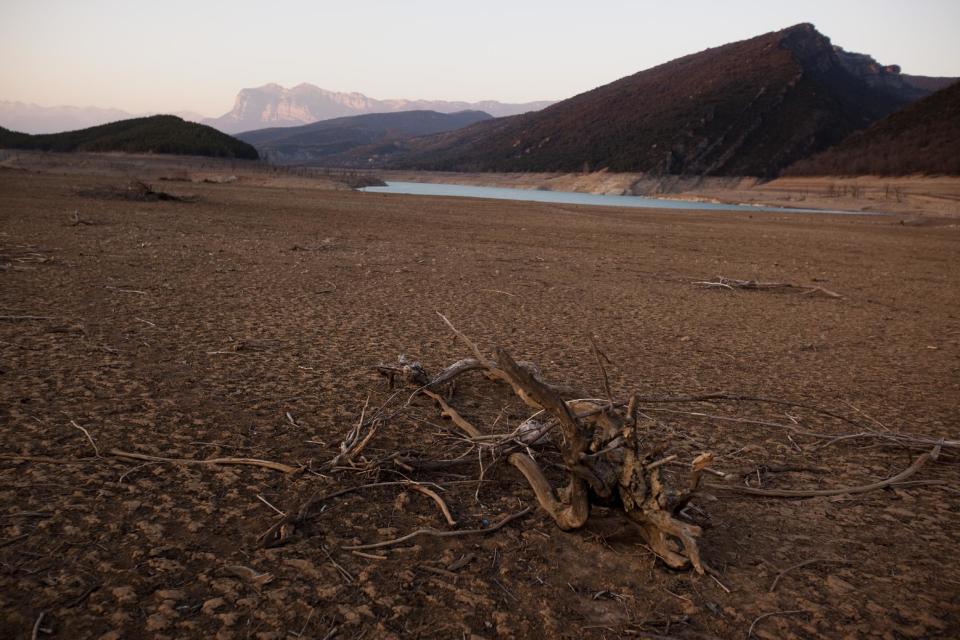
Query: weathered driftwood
[
  {"x": 606, "y": 460},
  {"x": 755, "y": 285}
]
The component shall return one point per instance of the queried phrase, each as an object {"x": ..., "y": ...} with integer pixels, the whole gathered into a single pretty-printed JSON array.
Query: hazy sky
[{"x": 195, "y": 55}]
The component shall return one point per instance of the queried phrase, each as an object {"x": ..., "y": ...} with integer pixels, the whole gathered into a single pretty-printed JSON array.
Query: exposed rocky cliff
[
  {"x": 889, "y": 77},
  {"x": 274, "y": 106}
]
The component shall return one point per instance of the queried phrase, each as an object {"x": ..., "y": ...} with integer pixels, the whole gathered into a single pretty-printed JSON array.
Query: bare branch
[{"x": 441, "y": 534}]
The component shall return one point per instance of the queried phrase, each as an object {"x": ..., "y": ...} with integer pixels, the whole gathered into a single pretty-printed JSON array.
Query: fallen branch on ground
[
  {"x": 136, "y": 191},
  {"x": 35, "y": 631},
  {"x": 96, "y": 449},
  {"x": 282, "y": 530},
  {"x": 47, "y": 459},
  {"x": 360, "y": 435},
  {"x": 441, "y": 534},
  {"x": 805, "y": 563},
  {"x": 449, "y": 412},
  {"x": 899, "y": 439},
  {"x": 252, "y": 462},
  {"x": 813, "y": 493},
  {"x": 433, "y": 495},
  {"x": 24, "y": 318},
  {"x": 755, "y": 285},
  {"x": 772, "y": 613}
]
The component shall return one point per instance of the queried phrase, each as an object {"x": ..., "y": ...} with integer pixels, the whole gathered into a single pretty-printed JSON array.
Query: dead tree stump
[{"x": 606, "y": 458}]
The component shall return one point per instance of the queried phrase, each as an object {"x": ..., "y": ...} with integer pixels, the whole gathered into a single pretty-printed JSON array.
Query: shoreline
[
  {"x": 916, "y": 195},
  {"x": 913, "y": 196},
  {"x": 572, "y": 198}
]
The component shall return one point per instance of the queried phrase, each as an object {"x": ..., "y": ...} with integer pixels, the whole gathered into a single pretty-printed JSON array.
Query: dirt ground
[{"x": 248, "y": 322}]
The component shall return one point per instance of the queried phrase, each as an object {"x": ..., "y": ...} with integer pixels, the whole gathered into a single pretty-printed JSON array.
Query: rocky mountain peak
[
  {"x": 809, "y": 46},
  {"x": 745, "y": 108},
  {"x": 273, "y": 105}
]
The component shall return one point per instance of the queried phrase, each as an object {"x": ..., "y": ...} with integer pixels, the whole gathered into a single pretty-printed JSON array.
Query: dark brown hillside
[
  {"x": 923, "y": 138},
  {"x": 154, "y": 134},
  {"x": 314, "y": 143},
  {"x": 747, "y": 108}
]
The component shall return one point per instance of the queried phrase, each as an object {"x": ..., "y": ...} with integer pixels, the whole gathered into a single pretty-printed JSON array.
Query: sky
[{"x": 196, "y": 55}]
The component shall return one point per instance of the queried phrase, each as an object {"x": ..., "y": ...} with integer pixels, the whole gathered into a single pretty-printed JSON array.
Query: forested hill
[
  {"x": 747, "y": 108},
  {"x": 154, "y": 134},
  {"x": 923, "y": 138},
  {"x": 327, "y": 140}
]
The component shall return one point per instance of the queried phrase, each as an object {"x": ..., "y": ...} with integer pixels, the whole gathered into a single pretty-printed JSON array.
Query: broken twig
[
  {"x": 253, "y": 462},
  {"x": 812, "y": 493},
  {"x": 441, "y": 534}
]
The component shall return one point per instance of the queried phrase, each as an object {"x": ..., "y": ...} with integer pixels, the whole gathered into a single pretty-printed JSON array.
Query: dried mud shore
[{"x": 247, "y": 322}]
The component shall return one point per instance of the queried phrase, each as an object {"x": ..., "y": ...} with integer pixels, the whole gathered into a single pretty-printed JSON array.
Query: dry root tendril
[{"x": 606, "y": 460}]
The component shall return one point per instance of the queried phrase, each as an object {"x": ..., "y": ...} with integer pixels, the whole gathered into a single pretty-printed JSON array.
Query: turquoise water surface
[{"x": 568, "y": 197}]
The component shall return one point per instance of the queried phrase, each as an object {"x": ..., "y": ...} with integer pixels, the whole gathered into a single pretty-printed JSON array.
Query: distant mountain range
[
  {"x": 153, "y": 134},
  {"x": 923, "y": 138},
  {"x": 274, "y": 106},
  {"x": 267, "y": 106},
  {"x": 748, "y": 108},
  {"x": 32, "y": 118},
  {"x": 313, "y": 143}
]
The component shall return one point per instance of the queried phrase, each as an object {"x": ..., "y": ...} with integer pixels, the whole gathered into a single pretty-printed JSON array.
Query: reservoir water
[{"x": 568, "y": 197}]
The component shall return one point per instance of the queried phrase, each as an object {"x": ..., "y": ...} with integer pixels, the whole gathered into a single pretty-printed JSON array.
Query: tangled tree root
[{"x": 605, "y": 456}]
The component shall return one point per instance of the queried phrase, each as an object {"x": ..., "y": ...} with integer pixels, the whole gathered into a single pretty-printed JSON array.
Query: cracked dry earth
[{"x": 248, "y": 324}]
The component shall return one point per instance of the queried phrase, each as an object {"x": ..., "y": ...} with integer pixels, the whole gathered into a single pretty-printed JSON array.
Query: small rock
[
  {"x": 158, "y": 622},
  {"x": 124, "y": 595},
  {"x": 837, "y": 585},
  {"x": 229, "y": 619},
  {"x": 350, "y": 616},
  {"x": 931, "y": 621},
  {"x": 307, "y": 568},
  {"x": 213, "y": 604}
]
